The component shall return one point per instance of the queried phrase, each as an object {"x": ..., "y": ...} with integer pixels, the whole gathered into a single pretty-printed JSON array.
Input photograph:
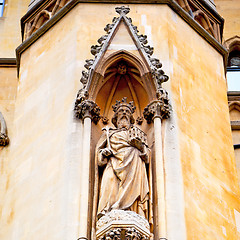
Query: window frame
[
  {"x": 229, "y": 83},
  {"x": 2, "y": 4}
]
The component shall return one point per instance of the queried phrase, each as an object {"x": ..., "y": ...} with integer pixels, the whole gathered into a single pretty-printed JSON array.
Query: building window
[
  {"x": 1, "y": 7},
  {"x": 233, "y": 71}
]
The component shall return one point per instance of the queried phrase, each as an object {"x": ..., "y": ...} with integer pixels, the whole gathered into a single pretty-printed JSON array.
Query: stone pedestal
[{"x": 121, "y": 225}]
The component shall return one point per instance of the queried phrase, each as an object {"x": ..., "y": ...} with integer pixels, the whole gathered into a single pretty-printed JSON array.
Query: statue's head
[{"x": 123, "y": 116}]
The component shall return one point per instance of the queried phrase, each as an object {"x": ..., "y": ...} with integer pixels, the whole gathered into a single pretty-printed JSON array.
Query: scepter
[{"x": 107, "y": 134}]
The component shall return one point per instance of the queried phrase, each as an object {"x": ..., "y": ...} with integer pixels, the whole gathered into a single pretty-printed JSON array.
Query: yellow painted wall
[
  {"x": 10, "y": 31},
  {"x": 44, "y": 147},
  {"x": 229, "y": 10},
  {"x": 200, "y": 100}
]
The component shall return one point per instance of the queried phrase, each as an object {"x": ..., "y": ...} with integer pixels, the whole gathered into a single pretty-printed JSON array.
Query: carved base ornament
[{"x": 121, "y": 225}]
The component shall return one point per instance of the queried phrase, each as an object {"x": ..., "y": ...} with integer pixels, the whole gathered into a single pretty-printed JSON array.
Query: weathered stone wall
[
  {"x": 8, "y": 92},
  {"x": 41, "y": 200},
  {"x": 200, "y": 101}
]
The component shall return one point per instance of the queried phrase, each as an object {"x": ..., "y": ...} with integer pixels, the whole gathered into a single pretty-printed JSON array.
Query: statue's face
[
  {"x": 122, "y": 68},
  {"x": 124, "y": 115}
]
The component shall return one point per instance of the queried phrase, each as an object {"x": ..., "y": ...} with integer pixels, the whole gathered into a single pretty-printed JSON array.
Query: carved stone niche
[{"x": 121, "y": 225}]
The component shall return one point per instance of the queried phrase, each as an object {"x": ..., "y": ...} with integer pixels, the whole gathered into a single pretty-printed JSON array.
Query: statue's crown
[{"x": 122, "y": 103}]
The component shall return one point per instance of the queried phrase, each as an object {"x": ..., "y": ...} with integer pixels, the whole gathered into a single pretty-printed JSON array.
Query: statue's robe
[{"x": 124, "y": 183}]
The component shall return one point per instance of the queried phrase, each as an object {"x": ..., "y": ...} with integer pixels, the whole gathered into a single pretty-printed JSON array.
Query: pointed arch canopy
[
  {"x": 149, "y": 68},
  {"x": 142, "y": 73}
]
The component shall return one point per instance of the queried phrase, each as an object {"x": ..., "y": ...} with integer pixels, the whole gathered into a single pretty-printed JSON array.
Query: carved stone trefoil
[
  {"x": 121, "y": 225},
  {"x": 158, "y": 108},
  {"x": 88, "y": 108}
]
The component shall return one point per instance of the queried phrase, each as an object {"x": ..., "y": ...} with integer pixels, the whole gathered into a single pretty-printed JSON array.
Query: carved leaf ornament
[
  {"x": 157, "y": 73},
  {"x": 4, "y": 140}
]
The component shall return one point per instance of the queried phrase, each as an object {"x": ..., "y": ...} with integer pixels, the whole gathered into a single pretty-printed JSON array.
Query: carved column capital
[
  {"x": 4, "y": 140},
  {"x": 88, "y": 109},
  {"x": 159, "y": 108}
]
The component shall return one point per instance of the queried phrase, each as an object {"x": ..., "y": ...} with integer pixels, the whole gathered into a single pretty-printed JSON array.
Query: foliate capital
[
  {"x": 4, "y": 140},
  {"x": 88, "y": 108},
  {"x": 159, "y": 108}
]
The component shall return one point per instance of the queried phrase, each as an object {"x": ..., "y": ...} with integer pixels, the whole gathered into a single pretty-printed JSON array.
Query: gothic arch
[
  {"x": 138, "y": 70},
  {"x": 136, "y": 86},
  {"x": 150, "y": 68},
  {"x": 204, "y": 21},
  {"x": 123, "y": 54},
  {"x": 232, "y": 43},
  {"x": 234, "y": 105},
  {"x": 233, "y": 47},
  {"x": 184, "y": 4},
  {"x": 59, "y": 4},
  {"x": 40, "y": 19}
]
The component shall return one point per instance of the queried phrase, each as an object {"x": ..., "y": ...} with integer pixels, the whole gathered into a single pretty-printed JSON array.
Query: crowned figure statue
[{"x": 123, "y": 153}]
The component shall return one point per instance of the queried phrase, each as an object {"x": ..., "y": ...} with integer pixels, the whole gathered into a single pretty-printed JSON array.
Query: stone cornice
[
  {"x": 233, "y": 96},
  {"x": 171, "y": 3},
  {"x": 8, "y": 62}
]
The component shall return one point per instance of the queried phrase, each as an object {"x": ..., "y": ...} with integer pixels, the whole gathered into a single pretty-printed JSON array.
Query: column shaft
[
  {"x": 160, "y": 181},
  {"x": 85, "y": 171}
]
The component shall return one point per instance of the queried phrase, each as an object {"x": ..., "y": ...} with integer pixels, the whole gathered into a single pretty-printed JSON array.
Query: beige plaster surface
[
  {"x": 229, "y": 10},
  {"x": 10, "y": 30},
  {"x": 44, "y": 163},
  {"x": 8, "y": 91}
]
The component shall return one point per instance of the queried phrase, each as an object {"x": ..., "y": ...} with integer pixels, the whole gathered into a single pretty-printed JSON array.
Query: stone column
[
  {"x": 88, "y": 111},
  {"x": 155, "y": 112}
]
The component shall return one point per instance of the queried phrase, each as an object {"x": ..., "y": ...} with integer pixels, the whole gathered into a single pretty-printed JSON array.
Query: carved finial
[
  {"x": 119, "y": 104},
  {"x": 122, "y": 10},
  {"x": 87, "y": 108}
]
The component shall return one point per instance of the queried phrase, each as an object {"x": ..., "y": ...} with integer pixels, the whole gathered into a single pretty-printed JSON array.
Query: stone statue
[{"x": 123, "y": 153}]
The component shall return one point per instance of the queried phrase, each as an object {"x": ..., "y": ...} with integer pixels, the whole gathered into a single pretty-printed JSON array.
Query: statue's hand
[
  {"x": 136, "y": 142},
  {"x": 106, "y": 152},
  {"x": 144, "y": 157}
]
